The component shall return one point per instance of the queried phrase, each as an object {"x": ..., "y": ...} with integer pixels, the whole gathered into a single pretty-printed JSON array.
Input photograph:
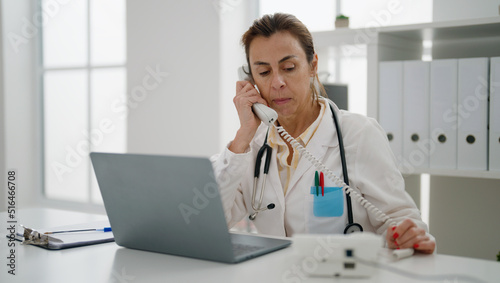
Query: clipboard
[{"x": 66, "y": 240}]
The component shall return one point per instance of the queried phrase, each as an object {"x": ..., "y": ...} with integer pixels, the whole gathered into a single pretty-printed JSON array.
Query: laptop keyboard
[{"x": 240, "y": 249}]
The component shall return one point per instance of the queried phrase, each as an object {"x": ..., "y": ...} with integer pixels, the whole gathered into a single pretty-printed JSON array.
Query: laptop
[{"x": 171, "y": 205}]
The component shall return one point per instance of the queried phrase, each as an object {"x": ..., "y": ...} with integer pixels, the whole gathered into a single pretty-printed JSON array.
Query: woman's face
[{"x": 282, "y": 73}]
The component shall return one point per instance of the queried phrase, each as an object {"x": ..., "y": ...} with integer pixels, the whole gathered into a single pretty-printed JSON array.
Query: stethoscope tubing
[
  {"x": 344, "y": 165},
  {"x": 268, "y": 150}
]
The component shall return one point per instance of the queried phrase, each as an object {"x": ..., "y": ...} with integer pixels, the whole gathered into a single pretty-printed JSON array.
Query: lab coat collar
[
  {"x": 260, "y": 136},
  {"x": 324, "y": 138}
]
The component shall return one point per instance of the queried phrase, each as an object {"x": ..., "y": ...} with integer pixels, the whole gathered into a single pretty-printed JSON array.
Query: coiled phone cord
[{"x": 365, "y": 203}]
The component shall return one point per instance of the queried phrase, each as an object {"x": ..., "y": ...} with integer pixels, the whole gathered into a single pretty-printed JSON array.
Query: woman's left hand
[{"x": 409, "y": 235}]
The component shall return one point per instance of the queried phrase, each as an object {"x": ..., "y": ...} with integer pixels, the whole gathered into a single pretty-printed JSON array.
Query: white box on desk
[{"x": 338, "y": 255}]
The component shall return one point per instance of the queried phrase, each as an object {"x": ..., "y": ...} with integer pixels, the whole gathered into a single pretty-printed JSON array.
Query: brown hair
[{"x": 279, "y": 22}]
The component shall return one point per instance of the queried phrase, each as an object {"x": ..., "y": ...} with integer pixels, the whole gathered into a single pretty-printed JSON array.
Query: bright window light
[
  {"x": 315, "y": 14},
  {"x": 425, "y": 193},
  {"x": 84, "y": 79}
]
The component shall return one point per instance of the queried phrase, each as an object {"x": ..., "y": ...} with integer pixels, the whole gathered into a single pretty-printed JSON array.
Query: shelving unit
[
  {"x": 455, "y": 173},
  {"x": 457, "y": 39},
  {"x": 453, "y": 39}
]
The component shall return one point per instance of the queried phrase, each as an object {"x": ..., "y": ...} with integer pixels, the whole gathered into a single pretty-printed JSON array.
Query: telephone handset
[
  {"x": 269, "y": 116},
  {"x": 265, "y": 114}
]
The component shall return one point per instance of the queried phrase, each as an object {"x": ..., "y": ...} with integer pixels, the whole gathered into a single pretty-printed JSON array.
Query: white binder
[
  {"x": 494, "y": 144},
  {"x": 443, "y": 119},
  {"x": 391, "y": 104},
  {"x": 472, "y": 113},
  {"x": 416, "y": 140}
]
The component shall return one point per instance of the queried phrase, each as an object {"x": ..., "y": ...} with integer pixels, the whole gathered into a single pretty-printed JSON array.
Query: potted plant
[{"x": 341, "y": 21}]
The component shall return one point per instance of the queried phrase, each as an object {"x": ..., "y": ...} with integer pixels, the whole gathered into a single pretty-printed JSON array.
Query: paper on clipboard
[{"x": 68, "y": 240}]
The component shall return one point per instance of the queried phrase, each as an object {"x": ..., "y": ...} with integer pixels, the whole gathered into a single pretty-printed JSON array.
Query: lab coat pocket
[{"x": 329, "y": 205}]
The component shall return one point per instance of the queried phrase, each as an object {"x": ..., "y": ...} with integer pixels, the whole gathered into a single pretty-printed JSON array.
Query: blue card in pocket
[{"x": 329, "y": 205}]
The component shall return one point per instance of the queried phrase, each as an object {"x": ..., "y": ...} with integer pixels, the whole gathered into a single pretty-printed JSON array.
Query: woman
[{"x": 283, "y": 65}]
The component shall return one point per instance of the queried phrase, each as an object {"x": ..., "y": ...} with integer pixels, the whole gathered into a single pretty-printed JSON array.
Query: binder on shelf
[
  {"x": 472, "y": 113},
  {"x": 391, "y": 104},
  {"x": 494, "y": 142},
  {"x": 416, "y": 140},
  {"x": 443, "y": 114}
]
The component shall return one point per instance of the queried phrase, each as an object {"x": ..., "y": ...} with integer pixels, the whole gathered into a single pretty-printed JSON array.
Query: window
[
  {"x": 317, "y": 15},
  {"x": 84, "y": 80},
  {"x": 369, "y": 13}
]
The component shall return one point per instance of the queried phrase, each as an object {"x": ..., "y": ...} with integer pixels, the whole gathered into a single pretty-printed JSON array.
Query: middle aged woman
[{"x": 283, "y": 66}]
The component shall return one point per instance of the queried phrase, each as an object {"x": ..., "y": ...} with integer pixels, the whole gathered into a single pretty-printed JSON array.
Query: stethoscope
[{"x": 351, "y": 227}]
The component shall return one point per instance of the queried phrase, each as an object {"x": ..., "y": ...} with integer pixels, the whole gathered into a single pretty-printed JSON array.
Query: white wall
[
  {"x": 179, "y": 113},
  {"x": 235, "y": 18},
  {"x": 20, "y": 98},
  {"x": 465, "y": 216},
  {"x": 448, "y": 10}
]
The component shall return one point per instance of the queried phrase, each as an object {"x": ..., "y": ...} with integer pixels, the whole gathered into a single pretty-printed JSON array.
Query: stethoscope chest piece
[
  {"x": 257, "y": 210},
  {"x": 353, "y": 228},
  {"x": 252, "y": 216}
]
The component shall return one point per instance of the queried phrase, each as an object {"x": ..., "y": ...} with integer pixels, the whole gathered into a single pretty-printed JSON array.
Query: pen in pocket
[
  {"x": 316, "y": 182},
  {"x": 322, "y": 184}
]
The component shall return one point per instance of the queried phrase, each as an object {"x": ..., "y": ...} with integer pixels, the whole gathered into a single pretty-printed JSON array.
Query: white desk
[{"x": 111, "y": 263}]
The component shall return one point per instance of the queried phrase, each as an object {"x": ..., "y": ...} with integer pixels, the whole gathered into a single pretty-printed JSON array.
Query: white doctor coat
[{"x": 371, "y": 169}]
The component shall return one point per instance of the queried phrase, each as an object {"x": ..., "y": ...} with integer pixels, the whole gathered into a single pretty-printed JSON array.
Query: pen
[
  {"x": 316, "y": 183},
  {"x": 403, "y": 253},
  {"x": 322, "y": 184},
  {"x": 105, "y": 229}
]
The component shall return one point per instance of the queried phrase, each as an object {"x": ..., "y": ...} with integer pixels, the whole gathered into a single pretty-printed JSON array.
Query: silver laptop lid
[{"x": 164, "y": 204}]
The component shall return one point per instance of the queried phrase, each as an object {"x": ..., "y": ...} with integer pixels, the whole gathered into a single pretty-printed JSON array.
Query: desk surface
[{"x": 111, "y": 263}]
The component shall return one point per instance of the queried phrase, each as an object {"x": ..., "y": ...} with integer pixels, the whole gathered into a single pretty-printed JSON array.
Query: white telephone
[{"x": 266, "y": 114}]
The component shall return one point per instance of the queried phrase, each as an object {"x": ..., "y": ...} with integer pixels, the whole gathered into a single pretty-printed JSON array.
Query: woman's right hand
[{"x": 246, "y": 96}]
